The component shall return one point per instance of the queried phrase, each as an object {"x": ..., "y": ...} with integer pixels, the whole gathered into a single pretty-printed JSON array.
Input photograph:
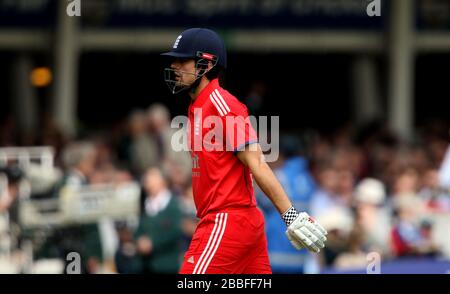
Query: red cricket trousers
[{"x": 230, "y": 241}]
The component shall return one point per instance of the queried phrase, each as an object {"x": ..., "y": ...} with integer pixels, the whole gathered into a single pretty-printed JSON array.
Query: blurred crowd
[{"x": 369, "y": 189}]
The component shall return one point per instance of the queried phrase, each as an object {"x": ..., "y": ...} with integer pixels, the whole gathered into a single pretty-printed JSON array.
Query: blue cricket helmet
[{"x": 199, "y": 43}]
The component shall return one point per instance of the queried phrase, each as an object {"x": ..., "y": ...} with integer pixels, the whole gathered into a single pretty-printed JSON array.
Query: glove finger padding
[
  {"x": 305, "y": 240},
  {"x": 315, "y": 230},
  {"x": 298, "y": 245},
  {"x": 312, "y": 237},
  {"x": 321, "y": 229}
]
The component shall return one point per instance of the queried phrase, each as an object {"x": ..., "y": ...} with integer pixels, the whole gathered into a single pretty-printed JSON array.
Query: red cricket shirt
[{"x": 219, "y": 127}]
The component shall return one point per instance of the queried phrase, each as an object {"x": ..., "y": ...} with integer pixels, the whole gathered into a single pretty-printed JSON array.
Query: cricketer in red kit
[{"x": 230, "y": 238}]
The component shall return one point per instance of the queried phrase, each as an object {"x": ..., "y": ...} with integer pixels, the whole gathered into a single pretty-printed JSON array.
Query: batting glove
[{"x": 303, "y": 231}]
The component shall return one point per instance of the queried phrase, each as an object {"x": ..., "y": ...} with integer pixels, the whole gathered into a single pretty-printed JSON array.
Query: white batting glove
[{"x": 303, "y": 231}]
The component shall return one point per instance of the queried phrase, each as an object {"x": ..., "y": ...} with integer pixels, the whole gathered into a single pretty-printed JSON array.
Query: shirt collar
[
  {"x": 158, "y": 203},
  {"x": 204, "y": 94}
]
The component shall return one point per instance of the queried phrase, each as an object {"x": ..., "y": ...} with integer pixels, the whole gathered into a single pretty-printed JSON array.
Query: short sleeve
[{"x": 238, "y": 130}]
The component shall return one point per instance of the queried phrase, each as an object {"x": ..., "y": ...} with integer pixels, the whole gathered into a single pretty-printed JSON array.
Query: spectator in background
[
  {"x": 339, "y": 223},
  {"x": 354, "y": 257},
  {"x": 10, "y": 177},
  {"x": 158, "y": 236},
  {"x": 410, "y": 235},
  {"x": 106, "y": 171},
  {"x": 190, "y": 220},
  {"x": 149, "y": 142},
  {"x": 79, "y": 159},
  {"x": 142, "y": 150},
  {"x": 179, "y": 178},
  {"x": 9, "y": 190},
  {"x": 381, "y": 154},
  {"x": 327, "y": 196},
  {"x": 444, "y": 168},
  {"x": 10, "y": 180},
  {"x": 437, "y": 147},
  {"x": 296, "y": 180},
  {"x": 345, "y": 187},
  {"x": 436, "y": 198},
  {"x": 406, "y": 183},
  {"x": 126, "y": 258},
  {"x": 347, "y": 166},
  {"x": 158, "y": 120},
  {"x": 373, "y": 220}
]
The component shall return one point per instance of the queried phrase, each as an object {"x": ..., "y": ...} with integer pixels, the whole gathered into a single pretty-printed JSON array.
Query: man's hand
[
  {"x": 144, "y": 245},
  {"x": 303, "y": 231}
]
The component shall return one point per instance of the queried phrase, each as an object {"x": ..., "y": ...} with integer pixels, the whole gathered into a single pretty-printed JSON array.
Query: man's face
[{"x": 185, "y": 72}]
